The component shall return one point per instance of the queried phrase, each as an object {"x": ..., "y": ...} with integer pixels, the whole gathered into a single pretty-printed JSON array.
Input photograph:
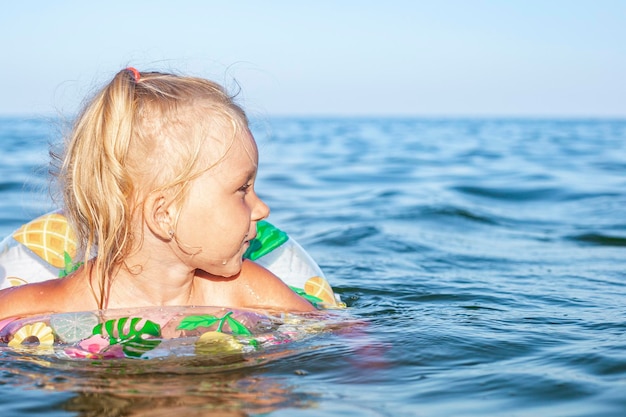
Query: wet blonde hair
[{"x": 142, "y": 133}]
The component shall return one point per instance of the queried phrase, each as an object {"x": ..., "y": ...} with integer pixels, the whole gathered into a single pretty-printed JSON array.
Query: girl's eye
[{"x": 245, "y": 188}]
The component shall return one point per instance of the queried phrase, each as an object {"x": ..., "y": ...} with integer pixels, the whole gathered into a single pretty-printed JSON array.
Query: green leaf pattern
[
  {"x": 69, "y": 265},
  {"x": 194, "y": 322},
  {"x": 236, "y": 327},
  {"x": 134, "y": 342}
]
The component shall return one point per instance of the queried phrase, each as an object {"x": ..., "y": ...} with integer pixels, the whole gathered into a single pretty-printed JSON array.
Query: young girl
[{"x": 158, "y": 182}]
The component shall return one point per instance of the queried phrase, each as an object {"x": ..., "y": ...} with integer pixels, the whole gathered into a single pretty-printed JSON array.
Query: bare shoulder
[
  {"x": 266, "y": 289},
  {"x": 27, "y": 299},
  {"x": 55, "y": 295}
]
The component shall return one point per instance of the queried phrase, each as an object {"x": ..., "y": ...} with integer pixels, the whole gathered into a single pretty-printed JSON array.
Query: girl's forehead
[
  {"x": 225, "y": 143},
  {"x": 241, "y": 157},
  {"x": 249, "y": 144},
  {"x": 243, "y": 144}
]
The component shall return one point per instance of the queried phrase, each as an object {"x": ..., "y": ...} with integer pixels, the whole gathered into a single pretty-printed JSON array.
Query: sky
[{"x": 469, "y": 58}]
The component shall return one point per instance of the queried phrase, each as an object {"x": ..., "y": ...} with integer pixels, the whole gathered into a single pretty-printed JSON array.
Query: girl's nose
[{"x": 260, "y": 210}]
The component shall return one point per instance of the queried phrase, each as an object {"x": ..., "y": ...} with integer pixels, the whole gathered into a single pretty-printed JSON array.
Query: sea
[{"x": 484, "y": 260}]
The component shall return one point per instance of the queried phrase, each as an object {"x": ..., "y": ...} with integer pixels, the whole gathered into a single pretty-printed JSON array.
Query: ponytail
[{"x": 97, "y": 186}]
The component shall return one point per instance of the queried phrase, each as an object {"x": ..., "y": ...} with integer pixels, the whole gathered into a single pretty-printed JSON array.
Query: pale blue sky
[{"x": 427, "y": 58}]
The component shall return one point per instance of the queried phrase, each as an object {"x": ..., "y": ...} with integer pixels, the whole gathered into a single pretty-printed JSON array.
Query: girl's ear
[{"x": 159, "y": 215}]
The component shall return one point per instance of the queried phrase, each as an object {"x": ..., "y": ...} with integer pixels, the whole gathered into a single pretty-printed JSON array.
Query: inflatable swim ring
[{"x": 44, "y": 249}]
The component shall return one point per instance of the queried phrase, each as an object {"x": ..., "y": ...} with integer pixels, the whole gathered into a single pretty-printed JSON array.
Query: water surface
[{"x": 485, "y": 257}]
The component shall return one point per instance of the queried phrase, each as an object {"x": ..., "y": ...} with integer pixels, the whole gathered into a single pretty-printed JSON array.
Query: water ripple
[{"x": 482, "y": 262}]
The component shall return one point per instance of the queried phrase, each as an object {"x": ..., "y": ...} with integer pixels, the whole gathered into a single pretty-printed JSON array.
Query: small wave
[
  {"x": 440, "y": 212},
  {"x": 462, "y": 213},
  {"x": 347, "y": 237},
  {"x": 512, "y": 193},
  {"x": 599, "y": 239},
  {"x": 11, "y": 186}
]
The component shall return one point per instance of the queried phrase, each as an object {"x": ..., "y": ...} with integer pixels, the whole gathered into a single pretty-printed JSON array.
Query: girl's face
[{"x": 221, "y": 211}]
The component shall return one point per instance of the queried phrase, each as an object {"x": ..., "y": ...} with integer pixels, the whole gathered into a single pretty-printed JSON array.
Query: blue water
[{"x": 485, "y": 257}]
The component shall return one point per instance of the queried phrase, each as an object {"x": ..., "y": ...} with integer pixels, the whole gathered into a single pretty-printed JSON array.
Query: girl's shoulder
[
  {"x": 35, "y": 298},
  {"x": 261, "y": 288}
]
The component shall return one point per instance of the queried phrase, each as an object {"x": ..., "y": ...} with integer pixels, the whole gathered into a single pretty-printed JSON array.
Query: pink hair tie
[{"x": 135, "y": 73}]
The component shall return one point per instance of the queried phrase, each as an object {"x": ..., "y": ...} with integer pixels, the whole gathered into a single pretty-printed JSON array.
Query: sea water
[{"x": 485, "y": 259}]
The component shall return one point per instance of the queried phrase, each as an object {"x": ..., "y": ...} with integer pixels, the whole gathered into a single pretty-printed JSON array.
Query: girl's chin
[{"x": 229, "y": 269}]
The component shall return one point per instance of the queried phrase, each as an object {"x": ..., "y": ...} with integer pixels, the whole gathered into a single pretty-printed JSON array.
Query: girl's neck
[{"x": 151, "y": 280}]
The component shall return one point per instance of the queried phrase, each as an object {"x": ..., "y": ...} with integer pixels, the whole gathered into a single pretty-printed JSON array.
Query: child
[{"x": 158, "y": 182}]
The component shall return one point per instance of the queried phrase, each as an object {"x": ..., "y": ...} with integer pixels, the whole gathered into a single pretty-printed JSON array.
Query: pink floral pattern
[{"x": 95, "y": 347}]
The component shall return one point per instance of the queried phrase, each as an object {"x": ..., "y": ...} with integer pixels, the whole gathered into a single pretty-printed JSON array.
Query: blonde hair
[{"x": 143, "y": 132}]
